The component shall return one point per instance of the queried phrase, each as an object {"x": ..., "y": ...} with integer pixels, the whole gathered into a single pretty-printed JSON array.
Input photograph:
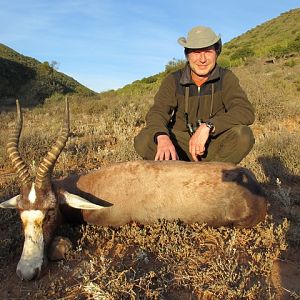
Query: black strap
[
  {"x": 186, "y": 101},
  {"x": 186, "y": 109},
  {"x": 212, "y": 100}
]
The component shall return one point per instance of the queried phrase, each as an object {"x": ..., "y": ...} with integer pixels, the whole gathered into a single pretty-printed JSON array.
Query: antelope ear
[
  {"x": 11, "y": 203},
  {"x": 76, "y": 201}
]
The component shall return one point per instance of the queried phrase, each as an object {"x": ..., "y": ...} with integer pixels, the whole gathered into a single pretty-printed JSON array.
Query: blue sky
[{"x": 106, "y": 44}]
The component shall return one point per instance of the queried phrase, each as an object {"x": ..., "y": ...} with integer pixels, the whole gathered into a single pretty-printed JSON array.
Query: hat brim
[{"x": 197, "y": 44}]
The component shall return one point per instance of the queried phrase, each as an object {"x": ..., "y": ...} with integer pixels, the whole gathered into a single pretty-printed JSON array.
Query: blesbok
[{"x": 142, "y": 191}]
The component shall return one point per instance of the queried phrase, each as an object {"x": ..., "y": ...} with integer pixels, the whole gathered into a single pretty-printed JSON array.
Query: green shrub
[
  {"x": 149, "y": 80},
  {"x": 224, "y": 61},
  {"x": 56, "y": 97},
  {"x": 291, "y": 63},
  {"x": 294, "y": 46},
  {"x": 242, "y": 53},
  {"x": 278, "y": 51}
]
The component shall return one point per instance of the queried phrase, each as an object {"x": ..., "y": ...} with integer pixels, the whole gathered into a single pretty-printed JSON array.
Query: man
[{"x": 200, "y": 112}]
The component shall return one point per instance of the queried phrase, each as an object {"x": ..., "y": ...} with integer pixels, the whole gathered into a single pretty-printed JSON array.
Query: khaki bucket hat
[{"x": 199, "y": 37}]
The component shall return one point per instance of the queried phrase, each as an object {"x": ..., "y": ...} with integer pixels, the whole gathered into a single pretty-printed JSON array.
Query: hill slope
[
  {"x": 31, "y": 81},
  {"x": 275, "y": 38}
]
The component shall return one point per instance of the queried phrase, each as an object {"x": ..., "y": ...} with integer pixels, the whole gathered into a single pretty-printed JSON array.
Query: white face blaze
[
  {"x": 31, "y": 260},
  {"x": 32, "y": 195},
  {"x": 33, "y": 255}
]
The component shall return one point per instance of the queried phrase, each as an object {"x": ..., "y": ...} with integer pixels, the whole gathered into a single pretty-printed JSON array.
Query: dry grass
[
  {"x": 168, "y": 260},
  {"x": 152, "y": 262}
]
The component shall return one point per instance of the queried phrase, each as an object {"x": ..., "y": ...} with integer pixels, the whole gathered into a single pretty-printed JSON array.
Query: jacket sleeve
[
  {"x": 165, "y": 102},
  {"x": 238, "y": 109}
]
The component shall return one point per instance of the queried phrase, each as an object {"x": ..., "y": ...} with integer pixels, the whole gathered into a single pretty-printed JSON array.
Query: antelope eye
[{"x": 50, "y": 213}]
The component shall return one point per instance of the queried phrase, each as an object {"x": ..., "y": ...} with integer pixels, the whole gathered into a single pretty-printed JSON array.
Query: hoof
[{"x": 59, "y": 247}]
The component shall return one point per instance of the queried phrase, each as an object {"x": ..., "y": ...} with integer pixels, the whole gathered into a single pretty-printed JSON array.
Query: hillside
[
  {"x": 275, "y": 38},
  {"x": 31, "y": 81}
]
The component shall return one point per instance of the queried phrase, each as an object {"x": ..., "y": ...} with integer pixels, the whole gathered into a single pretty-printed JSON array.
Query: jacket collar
[{"x": 186, "y": 78}]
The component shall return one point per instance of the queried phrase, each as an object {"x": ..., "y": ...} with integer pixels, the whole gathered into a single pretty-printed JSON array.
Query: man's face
[{"x": 202, "y": 61}]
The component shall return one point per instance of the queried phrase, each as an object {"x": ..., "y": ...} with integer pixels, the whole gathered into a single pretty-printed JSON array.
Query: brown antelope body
[{"x": 142, "y": 191}]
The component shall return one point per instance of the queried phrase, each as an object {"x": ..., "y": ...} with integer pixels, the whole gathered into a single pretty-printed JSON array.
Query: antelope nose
[{"x": 28, "y": 274}]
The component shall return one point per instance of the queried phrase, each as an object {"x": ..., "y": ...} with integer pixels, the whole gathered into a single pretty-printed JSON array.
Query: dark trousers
[{"x": 230, "y": 146}]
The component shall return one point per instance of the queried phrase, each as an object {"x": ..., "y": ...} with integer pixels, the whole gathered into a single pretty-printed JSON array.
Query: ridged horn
[
  {"x": 12, "y": 148},
  {"x": 43, "y": 174}
]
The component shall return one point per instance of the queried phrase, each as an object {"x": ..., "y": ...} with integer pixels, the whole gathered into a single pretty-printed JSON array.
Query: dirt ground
[
  {"x": 61, "y": 278},
  {"x": 285, "y": 277}
]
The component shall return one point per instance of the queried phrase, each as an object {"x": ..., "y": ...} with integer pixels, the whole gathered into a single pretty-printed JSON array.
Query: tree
[
  {"x": 54, "y": 65},
  {"x": 174, "y": 65}
]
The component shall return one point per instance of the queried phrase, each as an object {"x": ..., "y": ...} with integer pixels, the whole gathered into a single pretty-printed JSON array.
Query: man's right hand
[{"x": 165, "y": 149}]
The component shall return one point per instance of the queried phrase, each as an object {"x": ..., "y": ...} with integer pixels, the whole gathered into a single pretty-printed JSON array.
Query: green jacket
[{"x": 220, "y": 99}]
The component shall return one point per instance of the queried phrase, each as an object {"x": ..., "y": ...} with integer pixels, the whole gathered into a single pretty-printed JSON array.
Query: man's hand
[
  {"x": 165, "y": 149},
  {"x": 198, "y": 140}
]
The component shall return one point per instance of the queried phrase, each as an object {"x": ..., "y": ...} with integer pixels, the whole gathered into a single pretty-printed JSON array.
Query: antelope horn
[
  {"x": 13, "y": 151},
  {"x": 43, "y": 174}
]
